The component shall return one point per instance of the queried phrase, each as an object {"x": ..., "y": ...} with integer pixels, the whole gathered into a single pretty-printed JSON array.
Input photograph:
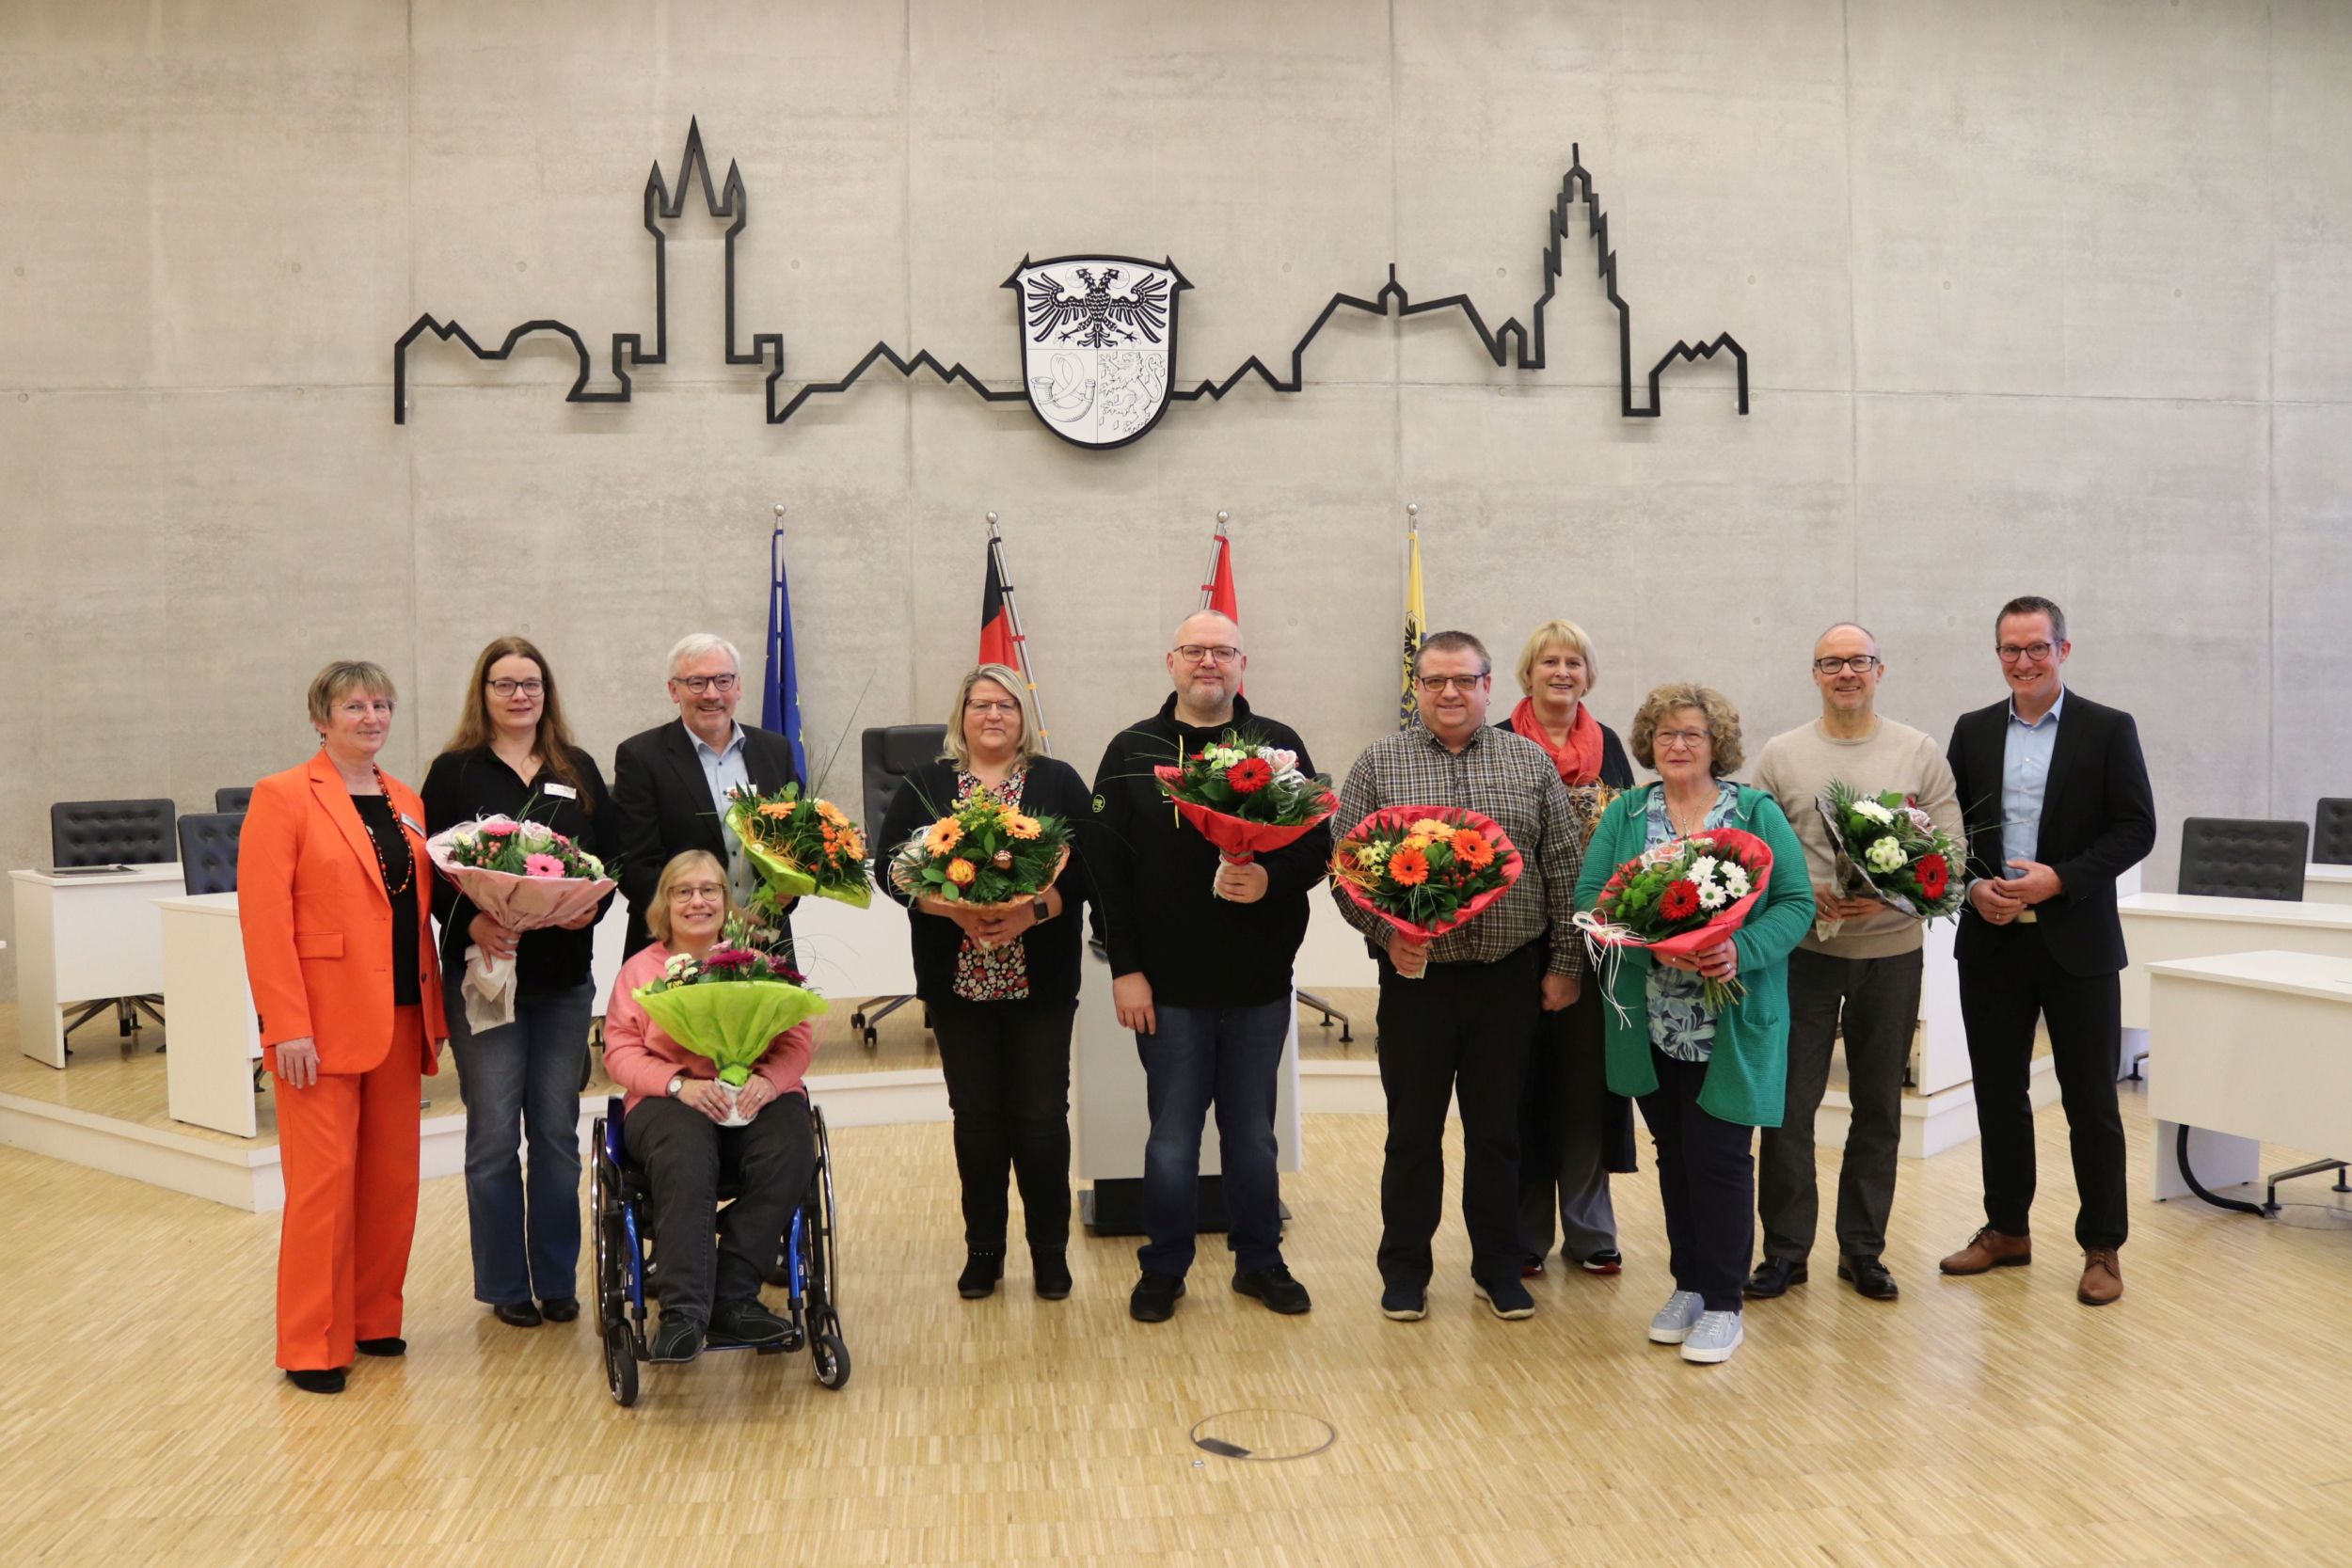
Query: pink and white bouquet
[{"x": 523, "y": 875}]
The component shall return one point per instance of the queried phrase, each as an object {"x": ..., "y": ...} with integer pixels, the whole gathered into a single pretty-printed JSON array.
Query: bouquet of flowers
[
  {"x": 1887, "y": 848},
  {"x": 983, "y": 854},
  {"x": 1685, "y": 894},
  {"x": 728, "y": 1006},
  {"x": 523, "y": 875},
  {"x": 1424, "y": 869},
  {"x": 802, "y": 845},
  {"x": 1246, "y": 799}
]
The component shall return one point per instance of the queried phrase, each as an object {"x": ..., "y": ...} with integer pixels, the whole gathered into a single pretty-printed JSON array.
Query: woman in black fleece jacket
[{"x": 1002, "y": 991}]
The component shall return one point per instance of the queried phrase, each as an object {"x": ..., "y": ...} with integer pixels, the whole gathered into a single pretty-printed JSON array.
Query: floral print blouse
[{"x": 991, "y": 974}]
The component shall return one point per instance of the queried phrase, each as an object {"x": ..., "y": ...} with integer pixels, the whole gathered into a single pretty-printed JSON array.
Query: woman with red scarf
[{"x": 1573, "y": 1133}]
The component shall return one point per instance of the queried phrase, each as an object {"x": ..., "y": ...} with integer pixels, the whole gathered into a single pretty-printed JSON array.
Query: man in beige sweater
[{"x": 1866, "y": 970}]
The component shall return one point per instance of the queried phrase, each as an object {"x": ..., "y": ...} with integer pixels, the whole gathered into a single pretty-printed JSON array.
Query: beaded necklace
[{"x": 408, "y": 868}]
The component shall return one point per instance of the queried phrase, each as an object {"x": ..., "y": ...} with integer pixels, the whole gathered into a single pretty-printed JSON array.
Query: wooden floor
[{"x": 2203, "y": 1419}]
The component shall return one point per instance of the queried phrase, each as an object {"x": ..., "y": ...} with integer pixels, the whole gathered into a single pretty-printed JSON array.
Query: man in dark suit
[
  {"x": 670, "y": 782},
  {"x": 2058, "y": 802}
]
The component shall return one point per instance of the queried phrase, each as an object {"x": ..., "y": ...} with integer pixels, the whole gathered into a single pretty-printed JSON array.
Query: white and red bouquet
[
  {"x": 1246, "y": 799},
  {"x": 1883, "y": 846},
  {"x": 1426, "y": 870},
  {"x": 1686, "y": 895},
  {"x": 523, "y": 875}
]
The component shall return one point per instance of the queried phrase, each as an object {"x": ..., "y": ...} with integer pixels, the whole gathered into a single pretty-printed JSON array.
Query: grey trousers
[{"x": 1879, "y": 999}]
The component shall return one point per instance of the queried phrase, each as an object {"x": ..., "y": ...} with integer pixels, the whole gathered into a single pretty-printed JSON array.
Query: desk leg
[
  {"x": 2218, "y": 1160},
  {"x": 39, "y": 1026}
]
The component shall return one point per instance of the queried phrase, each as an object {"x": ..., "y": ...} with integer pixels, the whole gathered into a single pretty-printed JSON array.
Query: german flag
[{"x": 997, "y": 642}]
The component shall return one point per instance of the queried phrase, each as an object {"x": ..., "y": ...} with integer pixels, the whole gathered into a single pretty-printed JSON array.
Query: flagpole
[
  {"x": 1216, "y": 552},
  {"x": 1020, "y": 643}
]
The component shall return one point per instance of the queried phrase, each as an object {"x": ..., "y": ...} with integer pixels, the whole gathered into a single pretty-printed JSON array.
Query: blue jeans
[
  {"x": 523, "y": 1078},
  {"x": 1231, "y": 1055}
]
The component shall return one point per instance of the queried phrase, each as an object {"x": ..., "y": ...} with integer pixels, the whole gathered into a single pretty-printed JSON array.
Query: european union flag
[{"x": 779, "y": 706}]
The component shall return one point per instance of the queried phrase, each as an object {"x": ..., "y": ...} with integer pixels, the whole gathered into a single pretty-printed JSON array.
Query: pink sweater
[{"x": 643, "y": 1059}]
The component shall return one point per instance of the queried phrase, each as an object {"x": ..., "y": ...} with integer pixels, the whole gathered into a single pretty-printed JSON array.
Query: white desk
[
  {"x": 853, "y": 954},
  {"x": 214, "y": 1038},
  {"x": 85, "y": 939},
  {"x": 2249, "y": 1048},
  {"x": 2327, "y": 884},
  {"x": 2162, "y": 926}
]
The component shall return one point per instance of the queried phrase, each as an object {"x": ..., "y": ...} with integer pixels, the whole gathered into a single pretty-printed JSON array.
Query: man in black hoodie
[{"x": 1201, "y": 959}]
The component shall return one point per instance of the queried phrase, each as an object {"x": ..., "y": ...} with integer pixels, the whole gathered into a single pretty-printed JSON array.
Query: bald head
[
  {"x": 1205, "y": 661},
  {"x": 1842, "y": 633},
  {"x": 1212, "y": 626}
]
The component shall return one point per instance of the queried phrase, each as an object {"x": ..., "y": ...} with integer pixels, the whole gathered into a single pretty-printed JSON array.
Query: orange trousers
[{"x": 348, "y": 1145}]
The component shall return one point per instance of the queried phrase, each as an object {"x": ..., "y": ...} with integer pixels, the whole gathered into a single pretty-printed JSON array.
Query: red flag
[
  {"x": 1217, "y": 593},
  {"x": 996, "y": 646}
]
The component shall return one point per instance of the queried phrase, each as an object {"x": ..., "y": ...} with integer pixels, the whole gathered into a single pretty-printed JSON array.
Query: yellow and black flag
[{"x": 1415, "y": 624}]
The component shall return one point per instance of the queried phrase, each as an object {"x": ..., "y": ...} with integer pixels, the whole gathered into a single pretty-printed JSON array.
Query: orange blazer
[{"x": 317, "y": 925}]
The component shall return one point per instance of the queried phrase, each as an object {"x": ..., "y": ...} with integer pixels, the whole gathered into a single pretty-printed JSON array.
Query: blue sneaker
[
  {"x": 1713, "y": 1337},
  {"x": 1673, "y": 1323}
]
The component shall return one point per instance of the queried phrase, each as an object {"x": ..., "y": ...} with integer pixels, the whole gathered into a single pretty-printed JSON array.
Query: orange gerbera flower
[
  {"x": 851, "y": 846},
  {"x": 1023, "y": 827},
  {"x": 944, "y": 835},
  {"x": 832, "y": 814},
  {"x": 1429, "y": 827},
  {"x": 776, "y": 808},
  {"x": 1409, "y": 866},
  {"x": 1471, "y": 849}
]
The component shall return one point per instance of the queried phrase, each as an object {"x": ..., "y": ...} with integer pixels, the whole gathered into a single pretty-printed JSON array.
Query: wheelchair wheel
[
  {"x": 831, "y": 1357},
  {"x": 620, "y": 1365}
]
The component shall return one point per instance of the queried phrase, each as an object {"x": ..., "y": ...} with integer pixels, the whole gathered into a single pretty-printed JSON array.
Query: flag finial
[
  {"x": 779, "y": 512},
  {"x": 1224, "y": 517},
  {"x": 992, "y": 519},
  {"x": 1412, "y": 508}
]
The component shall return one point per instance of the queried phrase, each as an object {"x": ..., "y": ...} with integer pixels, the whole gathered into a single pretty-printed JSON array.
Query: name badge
[
  {"x": 561, "y": 791},
  {"x": 412, "y": 824}
]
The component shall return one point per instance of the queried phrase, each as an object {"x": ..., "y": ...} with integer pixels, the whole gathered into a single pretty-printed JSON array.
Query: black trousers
[
  {"x": 1707, "y": 1183},
  {"x": 1571, "y": 1131},
  {"x": 1878, "y": 1000},
  {"x": 1459, "y": 1031},
  {"x": 686, "y": 1154},
  {"x": 2005, "y": 984},
  {"x": 1007, "y": 1070}
]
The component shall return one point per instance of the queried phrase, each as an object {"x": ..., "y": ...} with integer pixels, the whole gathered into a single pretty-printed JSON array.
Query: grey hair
[{"x": 696, "y": 644}]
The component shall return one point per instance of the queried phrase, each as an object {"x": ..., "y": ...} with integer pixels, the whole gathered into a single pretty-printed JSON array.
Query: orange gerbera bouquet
[
  {"x": 1425, "y": 870},
  {"x": 802, "y": 845},
  {"x": 983, "y": 853}
]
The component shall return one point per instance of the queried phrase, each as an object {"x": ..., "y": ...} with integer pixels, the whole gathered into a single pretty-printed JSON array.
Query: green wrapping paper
[
  {"x": 731, "y": 1023},
  {"x": 787, "y": 880}
]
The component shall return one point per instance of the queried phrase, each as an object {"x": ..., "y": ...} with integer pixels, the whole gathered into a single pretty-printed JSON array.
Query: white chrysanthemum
[
  {"x": 1873, "y": 811},
  {"x": 1703, "y": 869},
  {"x": 1712, "y": 896},
  {"x": 680, "y": 966},
  {"x": 1883, "y": 854},
  {"x": 1736, "y": 879}
]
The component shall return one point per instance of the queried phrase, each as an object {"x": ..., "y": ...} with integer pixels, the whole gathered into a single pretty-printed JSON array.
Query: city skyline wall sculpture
[{"x": 1097, "y": 332}]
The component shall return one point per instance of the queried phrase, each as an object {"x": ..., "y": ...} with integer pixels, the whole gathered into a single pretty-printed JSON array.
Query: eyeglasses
[
  {"x": 709, "y": 893},
  {"x": 983, "y": 709},
  {"x": 1861, "y": 664},
  {"x": 2011, "y": 652},
  {"x": 505, "y": 688},
  {"x": 1432, "y": 686},
  {"x": 700, "y": 684},
  {"x": 1682, "y": 740},
  {"x": 1192, "y": 653}
]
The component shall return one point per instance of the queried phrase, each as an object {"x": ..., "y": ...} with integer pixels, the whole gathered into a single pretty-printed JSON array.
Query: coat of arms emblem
[{"x": 1098, "y": 344}]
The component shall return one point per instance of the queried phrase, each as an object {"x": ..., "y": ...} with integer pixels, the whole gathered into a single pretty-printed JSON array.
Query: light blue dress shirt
[
  {"x": 2025, "y": 750},
  {"x": 723, "y": 769}
]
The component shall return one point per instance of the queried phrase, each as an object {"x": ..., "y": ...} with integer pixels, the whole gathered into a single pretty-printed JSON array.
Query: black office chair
[
  {"x": 112, "y": 832},
  {"x": 889, "y": 752},
  {"x": 2331, "y": 831},
  {"x": 2227, "y": 857},
  {"x": 208, "y": 851},
  {"x": 233, "y": 797}
]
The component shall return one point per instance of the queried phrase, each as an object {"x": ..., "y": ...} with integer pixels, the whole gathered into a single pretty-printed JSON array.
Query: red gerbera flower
[
  {"x": 1249, "y": 775},
  {"x": 1934, "y": 875},
  {"x": 1681, "y": 900}
]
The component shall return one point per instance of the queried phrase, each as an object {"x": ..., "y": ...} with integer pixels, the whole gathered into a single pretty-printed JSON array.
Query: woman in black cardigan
[
  {"x": 1573, "y": 1133},
  {"x": 1001, "y": 990}
]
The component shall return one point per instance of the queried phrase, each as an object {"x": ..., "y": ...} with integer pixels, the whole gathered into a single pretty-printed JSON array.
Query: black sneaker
[
  {"x": 1508, "y": 1298},
  {"x": 981, "y": 1271},
  {"x": 1607, "y": 1261},
  {"x": 1155, "y": 1298},
  {"x": 746, "y": 1322},
  {"x": 677, "y": 1340},
  {"x": 517, "y": 1314},
  {"x": 1405, "y": 1304},
  {"x": 1868, "y": 1277},
  {"x": 559, "y": 1309},
  {"x": 1050, "y": 1271},
  {"x": 1773, "y": 1277},
  {"x": 1276, "y": 1288}
]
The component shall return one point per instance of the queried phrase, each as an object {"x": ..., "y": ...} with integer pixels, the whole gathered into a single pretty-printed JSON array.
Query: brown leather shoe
[
  {"x": 1988, "y": 1249},
  {"x": 2103, "y": 1277}
]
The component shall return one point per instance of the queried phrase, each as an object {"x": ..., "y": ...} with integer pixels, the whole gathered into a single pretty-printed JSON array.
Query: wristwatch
[
  {"x": 1037, "y": 908},
  {"x": 676, "y": 1085}
]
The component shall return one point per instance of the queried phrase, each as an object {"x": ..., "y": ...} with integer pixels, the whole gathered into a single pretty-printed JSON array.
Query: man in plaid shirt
[{"x": 1456, "y": 1014}]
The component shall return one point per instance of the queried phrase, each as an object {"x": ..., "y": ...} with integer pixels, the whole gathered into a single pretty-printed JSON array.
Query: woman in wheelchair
[{"x": 671, "y": 1127}]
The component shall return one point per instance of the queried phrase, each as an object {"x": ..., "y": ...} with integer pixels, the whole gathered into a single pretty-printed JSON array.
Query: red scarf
[{"x": 1579, "y": 760}]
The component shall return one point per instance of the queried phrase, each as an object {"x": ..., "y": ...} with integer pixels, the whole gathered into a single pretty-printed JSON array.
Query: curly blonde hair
[{"x": 1722, "y": 725}]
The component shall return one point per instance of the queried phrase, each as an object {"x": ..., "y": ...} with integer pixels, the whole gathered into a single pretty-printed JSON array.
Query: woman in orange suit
[{"x": 333, "y": 889}]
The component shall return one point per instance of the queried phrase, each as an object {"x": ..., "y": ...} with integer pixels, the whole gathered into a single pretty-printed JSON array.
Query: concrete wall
[{"x": 2040, "y": 297}]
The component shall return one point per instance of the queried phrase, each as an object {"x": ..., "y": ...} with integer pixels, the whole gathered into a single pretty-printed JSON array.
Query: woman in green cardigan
[{"x": 1705, "y": 1079}]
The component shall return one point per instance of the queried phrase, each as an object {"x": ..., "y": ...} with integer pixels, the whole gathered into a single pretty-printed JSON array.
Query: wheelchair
[{"x": 626, "y": 1273}]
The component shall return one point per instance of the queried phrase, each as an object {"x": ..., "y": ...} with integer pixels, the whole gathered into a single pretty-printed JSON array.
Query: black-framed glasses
[
  {"x": 700, "y": 684},
  {"x": 1861, "y": 664},
  {"x": 1192, "y": 653},
  {"x": 505, "y": 688},
  {"x": 2011, "y": 652},
  {"x": 1432, "y": 685}
]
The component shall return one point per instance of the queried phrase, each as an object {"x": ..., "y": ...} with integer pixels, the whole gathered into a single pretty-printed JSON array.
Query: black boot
[{"x": 981, "y": 1271}]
